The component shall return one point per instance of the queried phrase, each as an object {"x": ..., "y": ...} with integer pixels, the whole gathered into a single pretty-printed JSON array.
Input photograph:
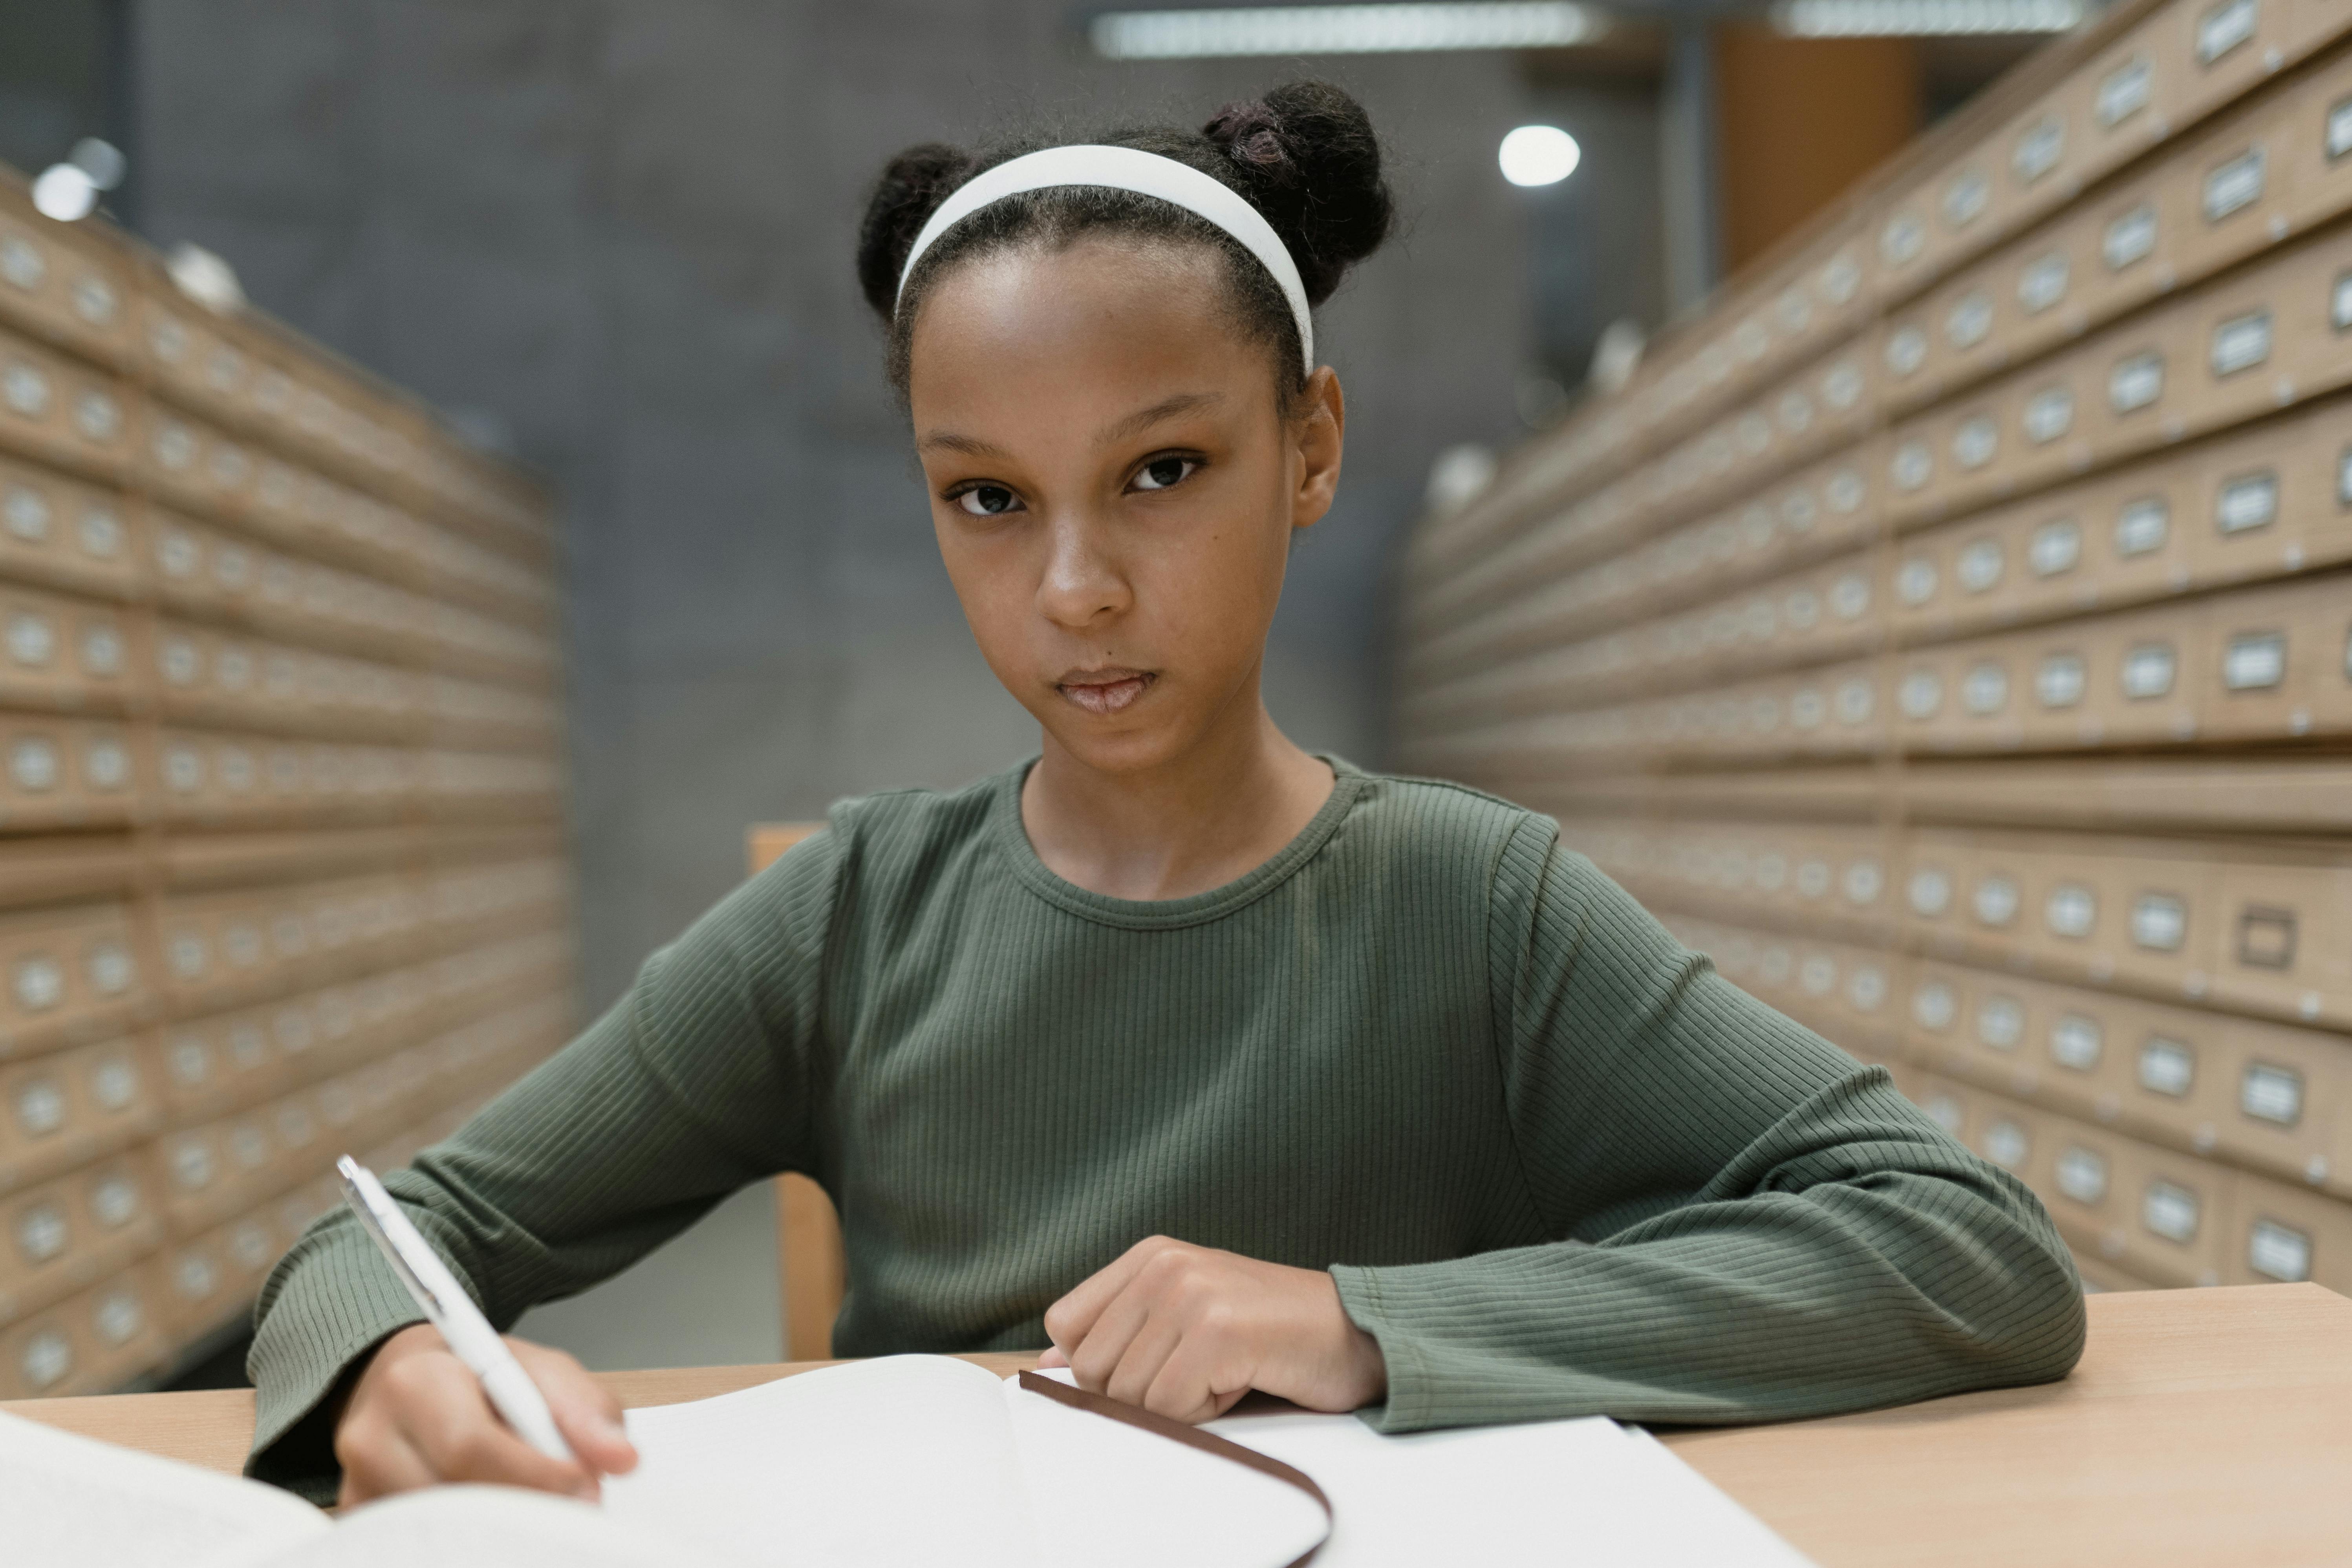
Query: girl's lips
[{"x": 1105, "y": 692}]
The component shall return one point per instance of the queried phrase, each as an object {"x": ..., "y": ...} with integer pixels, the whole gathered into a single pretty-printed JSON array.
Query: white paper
[
  {"x": 68, "y": 1501},
  {"x": 891, "y": 1463},
  {"x": 1101, "y": 1491},
  {"x": 1584, "y": 1491},
  {"x": 486, "y": 1526}
]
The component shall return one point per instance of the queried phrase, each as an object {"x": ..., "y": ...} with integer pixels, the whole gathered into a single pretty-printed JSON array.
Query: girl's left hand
[{"x": 1186, "y": 1331}]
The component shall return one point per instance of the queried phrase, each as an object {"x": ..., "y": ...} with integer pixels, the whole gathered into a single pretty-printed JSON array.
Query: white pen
[{"x": 469, "y": 1335}]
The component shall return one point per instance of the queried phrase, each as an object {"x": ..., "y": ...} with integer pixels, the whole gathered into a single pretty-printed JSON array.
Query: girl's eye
[
  {"x": 1161, "y": 473},
  {"x": 987, "y": 501}
]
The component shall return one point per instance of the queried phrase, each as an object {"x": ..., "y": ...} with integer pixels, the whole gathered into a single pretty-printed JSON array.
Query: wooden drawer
[
  {"x": 72, "y": 975},
  {"x": 63, "y": 533},
  {"x": 68, "y": 1108}
]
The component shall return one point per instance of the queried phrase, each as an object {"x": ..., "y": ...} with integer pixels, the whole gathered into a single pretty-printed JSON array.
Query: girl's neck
[{"x": 1218, "y": 813}]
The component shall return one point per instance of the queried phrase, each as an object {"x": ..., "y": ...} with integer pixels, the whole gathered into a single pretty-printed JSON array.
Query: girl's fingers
[
  {"x": 1197, "y": 1381},
  {"x": 586, "y": 1411},
  {"x": 446, "y": 1418},
  {"x": 377, "y": 1462},
  {"x": 1053, "y": 1356},
  {"x": 1096, "y": 1356},
  {"x": 1155, "y": 1340},
  {"x": 1071, "y": 1318}
]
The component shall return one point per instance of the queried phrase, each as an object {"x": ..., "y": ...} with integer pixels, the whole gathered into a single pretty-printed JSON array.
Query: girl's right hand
[{"x": 417, "y": 1417}]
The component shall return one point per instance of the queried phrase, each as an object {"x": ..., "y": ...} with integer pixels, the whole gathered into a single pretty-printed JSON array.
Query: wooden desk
[{"x": 2202, "y": 1427}]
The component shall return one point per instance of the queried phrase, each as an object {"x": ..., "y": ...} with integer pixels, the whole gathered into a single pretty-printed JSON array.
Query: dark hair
[{"x": 1304, "y": 155}]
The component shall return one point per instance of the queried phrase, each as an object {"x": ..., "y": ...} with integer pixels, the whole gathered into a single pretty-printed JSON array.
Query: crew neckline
[{"x": 1347, "y": 782}]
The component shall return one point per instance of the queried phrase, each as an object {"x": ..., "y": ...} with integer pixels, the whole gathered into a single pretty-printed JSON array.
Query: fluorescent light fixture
[
  {"x": 1539, "y": 156},
  {"x": 1924, "y": 18},
  {"x": 1344, "y": 30}
]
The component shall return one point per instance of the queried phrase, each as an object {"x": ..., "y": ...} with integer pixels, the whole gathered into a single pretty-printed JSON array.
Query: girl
[{"x": 1210, "y": 1063}]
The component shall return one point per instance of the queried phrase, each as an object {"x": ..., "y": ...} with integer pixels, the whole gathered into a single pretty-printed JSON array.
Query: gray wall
[{"x": 621, "y": 231}]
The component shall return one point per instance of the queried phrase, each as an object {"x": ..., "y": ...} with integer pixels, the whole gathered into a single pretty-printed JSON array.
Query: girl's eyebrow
[
  {"x": 1140, "y": 420},
  {"x": 1166, "y": 408}
]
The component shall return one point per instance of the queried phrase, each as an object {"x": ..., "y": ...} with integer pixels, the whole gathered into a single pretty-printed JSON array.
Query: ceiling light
[
  {"x": 1923, "y": 18},
  {"x": 65, "y": 193},
  {"x": 1344, "y": 30},
  {"x": 1539, "y": 156}
]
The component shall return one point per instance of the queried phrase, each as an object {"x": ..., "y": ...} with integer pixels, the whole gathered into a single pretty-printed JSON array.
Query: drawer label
[
  {"x": 1840, "y": 279},
  {"x": 2071, "y": 911},
  {"x": 1985, "y": 691},
  {"x": 2124, "y": 91},
  {"x": 2279, "y": 1251},
  {"x": 1964, "y": 198},
  {"x": 1914, "y": 580},
  {"x": 38, "y": 984},
  {"x": 2129, "y": 238},
  {"x": 2038, "y": 150},
  {"x": 2075, "y": 1042},
  {"x": 2082, "y": 1175},
  {"x": 2050, "y": 415},
  {"x": 1968, "y": 320},
  {"x": 2057, "y": 544},
  {"x": 2044, "y": 284},
  {"x": 2223, "y": 28},
  {"x": 2147, "y": 670},
  {"x": 2338, "y": 135},
  {"x": 2059, "y": 682},
  {"x": 1976, "y": 441},
  {"x": 1930, "y": 891},
  {"x": 1933, "y": 1005},
  {"x": 2160, "y": 923},
  {"x": 2005, "y": 1144},
  {"x": 33, "y": 764},
  {"x": 1922, "y": 693},
  {"x": 2135, "y": 381},
  {"x": 1914, "y": 464},
  {"x": 2255, "y": 661},
  {"x": 1996, "y": 901},
  {"x": 2339, "y": 303},
  {"x": 2234, "y": 184},
  {"x": 2241, "y": 342},
  {"x": 1907, "y": 349},
  {"x": 2272, "y": 1094},
  {"x": 2143, "y": 525},
  {"x": 2167, "y": 1067},
  {"x": 2169, "y": 1210},
  {"x": 2248, "y": 501},
  {"x": 2000, "y": 1022},
  {"x": 1900, "y": 241}
]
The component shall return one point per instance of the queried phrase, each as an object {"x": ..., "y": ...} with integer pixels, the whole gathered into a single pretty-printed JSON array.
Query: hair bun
[
  {"x": 909, "y": 191},
  {"x": 1307, "y": 156}
]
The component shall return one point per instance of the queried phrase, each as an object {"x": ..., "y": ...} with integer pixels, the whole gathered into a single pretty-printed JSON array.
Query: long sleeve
[
  {"x": 1751, "y": 1224},
  {"x": 702, "y": 1078}
]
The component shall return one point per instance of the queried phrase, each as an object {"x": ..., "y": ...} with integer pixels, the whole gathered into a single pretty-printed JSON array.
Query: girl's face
[{"x": 1115, "y": 487}]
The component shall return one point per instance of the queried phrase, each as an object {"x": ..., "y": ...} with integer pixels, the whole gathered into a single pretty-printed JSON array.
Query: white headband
[{"x": 1147, "y": 173}]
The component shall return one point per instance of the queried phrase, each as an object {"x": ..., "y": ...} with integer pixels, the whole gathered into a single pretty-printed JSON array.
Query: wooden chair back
[{"x": 808, "y": 1229}]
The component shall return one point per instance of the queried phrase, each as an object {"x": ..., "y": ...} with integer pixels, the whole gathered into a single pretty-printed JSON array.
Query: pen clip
[{"x": 366, "y": 1196}]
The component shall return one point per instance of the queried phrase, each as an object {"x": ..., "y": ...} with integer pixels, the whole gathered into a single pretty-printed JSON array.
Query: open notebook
[{"x": 917, "y": 1460}]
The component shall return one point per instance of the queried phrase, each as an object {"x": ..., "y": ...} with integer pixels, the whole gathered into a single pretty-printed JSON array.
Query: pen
[{"x": 470, "y": 1337}]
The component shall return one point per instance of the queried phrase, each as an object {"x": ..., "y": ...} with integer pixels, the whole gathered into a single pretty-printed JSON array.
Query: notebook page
[
  {"x": 1586, "y": 1492},
  {"x": 902, "y": 1462},
  {"x": 1100, "y": 1492},
  {"x": 66, "y": 1500},
  {"x": 485, "y": 1527}
]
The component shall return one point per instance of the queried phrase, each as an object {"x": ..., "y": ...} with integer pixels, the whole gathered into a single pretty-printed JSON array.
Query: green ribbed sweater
[{"x": 1556, "y": 1165}]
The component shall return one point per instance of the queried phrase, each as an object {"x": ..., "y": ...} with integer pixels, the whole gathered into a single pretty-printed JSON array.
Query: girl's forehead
[{"x": 1087, "y": 305}]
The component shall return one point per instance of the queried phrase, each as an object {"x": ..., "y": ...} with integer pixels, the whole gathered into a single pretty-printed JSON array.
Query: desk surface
[{"x": 2203, "y": 1426}]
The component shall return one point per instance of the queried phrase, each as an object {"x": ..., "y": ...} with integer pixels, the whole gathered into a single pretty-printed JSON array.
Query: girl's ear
[{"x": 1319, "y": 430}]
